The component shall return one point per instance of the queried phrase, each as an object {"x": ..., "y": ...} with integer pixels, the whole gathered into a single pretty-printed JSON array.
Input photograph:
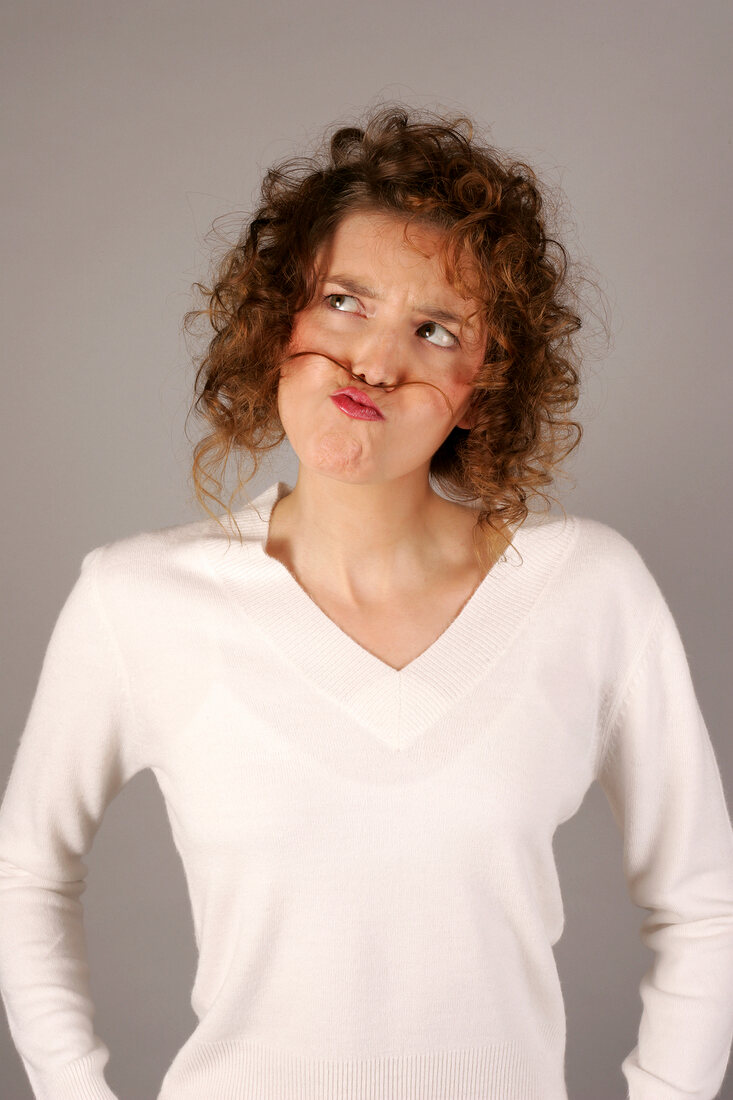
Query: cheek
[
  {"x": 465, "y": 379},
  {"x": 301, "y": 383},
  {"x": 289, "y": 385},
  {"x": 302, "y": 337},
  {"x": 294, "y": 404},
  {"x": 312, "y": 331},
  {"x": 305, "y": 329}
]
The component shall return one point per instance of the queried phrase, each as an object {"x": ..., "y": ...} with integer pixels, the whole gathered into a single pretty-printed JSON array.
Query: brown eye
[{"x": 448, "y": 340}]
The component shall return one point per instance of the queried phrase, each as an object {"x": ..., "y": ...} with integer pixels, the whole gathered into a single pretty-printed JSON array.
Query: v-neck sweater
[{"x": 368, "y": 851}]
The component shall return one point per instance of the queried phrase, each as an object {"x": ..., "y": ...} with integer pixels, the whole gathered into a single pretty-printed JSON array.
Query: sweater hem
[{"x": 236, "y": 1069}]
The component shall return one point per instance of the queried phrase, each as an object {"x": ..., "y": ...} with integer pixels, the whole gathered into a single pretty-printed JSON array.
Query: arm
[
  {"x": 74, "y": 756},
  {"x": 661, "y": 779}
]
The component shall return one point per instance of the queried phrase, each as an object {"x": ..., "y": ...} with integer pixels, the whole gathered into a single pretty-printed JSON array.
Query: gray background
[{"x": 127, "y": 129}]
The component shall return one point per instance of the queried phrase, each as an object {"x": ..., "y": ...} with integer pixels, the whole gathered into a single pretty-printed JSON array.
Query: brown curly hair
[{"x": 430, "y": 169}]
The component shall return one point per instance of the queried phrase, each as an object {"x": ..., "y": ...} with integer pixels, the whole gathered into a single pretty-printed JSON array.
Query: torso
[{"x": 398, "y": 632}]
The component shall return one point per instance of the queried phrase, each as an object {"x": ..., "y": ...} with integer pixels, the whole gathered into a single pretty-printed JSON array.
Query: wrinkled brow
[{"x": 355, "y": 287}]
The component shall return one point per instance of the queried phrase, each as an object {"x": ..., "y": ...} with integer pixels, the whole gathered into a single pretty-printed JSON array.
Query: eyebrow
[{"x": 364, "y": 291}]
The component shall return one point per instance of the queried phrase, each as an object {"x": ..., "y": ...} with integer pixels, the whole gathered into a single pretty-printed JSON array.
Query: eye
[
  {"x": 342, "y": 297},
  {"x": 447, "y": 339}
]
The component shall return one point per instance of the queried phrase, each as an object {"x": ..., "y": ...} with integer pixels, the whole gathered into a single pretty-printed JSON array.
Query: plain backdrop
[{"x": 127, "y": 129}]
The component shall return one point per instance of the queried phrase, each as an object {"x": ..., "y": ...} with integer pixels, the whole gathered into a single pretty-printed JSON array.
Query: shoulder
[
  {"x": 605, "y": 551},
  {"x": 603, "y": 571},
  {"x": 144, "y": 567}
]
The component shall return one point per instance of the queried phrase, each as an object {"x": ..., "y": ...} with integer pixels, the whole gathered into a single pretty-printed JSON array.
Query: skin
[{"x": 362, "y": 527}]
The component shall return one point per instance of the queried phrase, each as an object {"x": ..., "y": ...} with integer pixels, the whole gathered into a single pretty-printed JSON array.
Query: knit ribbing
[
  {"x": 397, "y": 704},
  {"x": 237, "y": 1070},
  {"x": 82, "y": 1079}
]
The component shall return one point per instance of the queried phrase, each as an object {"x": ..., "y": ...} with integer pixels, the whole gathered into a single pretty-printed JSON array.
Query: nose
[{"x": 376, "y": 360}]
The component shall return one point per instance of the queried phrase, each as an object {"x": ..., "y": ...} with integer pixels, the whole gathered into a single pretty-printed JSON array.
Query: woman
[{"x": 369, "y": 705}]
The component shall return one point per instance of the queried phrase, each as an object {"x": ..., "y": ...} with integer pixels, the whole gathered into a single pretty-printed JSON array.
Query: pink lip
[{"x": 356, "y": 403}]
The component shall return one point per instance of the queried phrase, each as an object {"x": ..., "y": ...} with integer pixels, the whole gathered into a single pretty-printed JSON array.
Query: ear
[{"x": 466, "y": 420}]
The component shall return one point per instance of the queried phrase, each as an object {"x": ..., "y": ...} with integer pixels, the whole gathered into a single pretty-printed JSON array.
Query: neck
[{"x": 368, "y": 541}]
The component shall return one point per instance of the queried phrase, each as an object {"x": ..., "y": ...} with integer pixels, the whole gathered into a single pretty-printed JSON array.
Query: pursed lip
[{"x": 359, "y": 396}]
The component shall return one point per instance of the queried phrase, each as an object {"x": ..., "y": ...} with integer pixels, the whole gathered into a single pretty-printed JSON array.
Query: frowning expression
[{"x": 383, "y": 315}]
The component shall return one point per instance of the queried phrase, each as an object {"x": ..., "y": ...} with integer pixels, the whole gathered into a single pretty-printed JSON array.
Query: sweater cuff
[{"x": 82, "y": 1079}]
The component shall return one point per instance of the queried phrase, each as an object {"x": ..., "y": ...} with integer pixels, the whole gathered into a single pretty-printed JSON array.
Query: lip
[{"x": 359, "y": 398}]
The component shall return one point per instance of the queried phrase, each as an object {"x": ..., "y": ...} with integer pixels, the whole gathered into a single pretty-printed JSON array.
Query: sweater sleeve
[
  {"x": 74, "y": 755},
  {"x": 661, "y": 778}
]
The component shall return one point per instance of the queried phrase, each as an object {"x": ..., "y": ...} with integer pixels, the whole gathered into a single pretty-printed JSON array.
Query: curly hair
[{"x": 430, "y": 169}]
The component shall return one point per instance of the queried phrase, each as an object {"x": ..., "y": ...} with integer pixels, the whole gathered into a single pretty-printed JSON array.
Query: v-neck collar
[{"x": 396, "y": 705}]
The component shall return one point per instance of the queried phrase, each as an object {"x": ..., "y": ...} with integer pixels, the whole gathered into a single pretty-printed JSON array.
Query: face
[{"x": 384, "y": 310}]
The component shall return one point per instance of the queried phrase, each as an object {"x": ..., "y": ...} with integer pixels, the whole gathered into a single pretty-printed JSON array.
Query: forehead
[
  {"x": 382, "y": 229},
  {"x": 390, "y": 249}
]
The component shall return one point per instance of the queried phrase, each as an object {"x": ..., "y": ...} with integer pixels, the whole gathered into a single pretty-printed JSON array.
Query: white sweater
[{"x": 368, "y": 851}]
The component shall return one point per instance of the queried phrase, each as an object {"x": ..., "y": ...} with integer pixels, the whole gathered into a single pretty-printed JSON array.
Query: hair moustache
[{"x": 386, "y": 389}]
